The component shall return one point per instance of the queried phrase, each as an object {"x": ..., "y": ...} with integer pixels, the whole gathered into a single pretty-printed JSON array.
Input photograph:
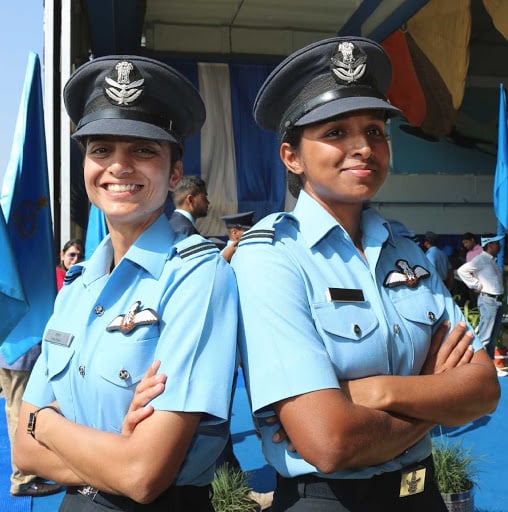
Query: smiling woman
[
  {"x": 353, "y": 315},
  {"x": 147, "y": 298}
]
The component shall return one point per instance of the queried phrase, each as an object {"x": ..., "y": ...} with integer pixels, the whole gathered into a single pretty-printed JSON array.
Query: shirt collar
[
  {"x": 150, "y": 251},
  {"x": 187, "y": 215},
  {"x": 315, "y": 222}
]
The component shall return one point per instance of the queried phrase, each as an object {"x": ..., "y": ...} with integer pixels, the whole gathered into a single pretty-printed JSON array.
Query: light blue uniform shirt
[
  {"x": 193, "y": 291},
  {"x": 439, "y": 259},
  {"x": 295, "y": 340}
]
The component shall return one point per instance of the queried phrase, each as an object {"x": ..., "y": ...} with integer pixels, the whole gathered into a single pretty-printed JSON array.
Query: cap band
[
  {"x": 300, "y": 110},
  {"x": 488, "y": 240},
  {"x": 132, "y": 115}
]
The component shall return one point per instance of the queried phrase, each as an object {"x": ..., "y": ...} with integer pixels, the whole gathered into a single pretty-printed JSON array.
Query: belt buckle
[
  {"x": 88, "y": 491},
  {"x": 412, "y": 481}
]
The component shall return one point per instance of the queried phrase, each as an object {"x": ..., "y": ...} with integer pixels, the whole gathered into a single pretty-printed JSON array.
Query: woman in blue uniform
[
  {"x": 146, "y": 294},
  {"x": 342, "y": 318}
]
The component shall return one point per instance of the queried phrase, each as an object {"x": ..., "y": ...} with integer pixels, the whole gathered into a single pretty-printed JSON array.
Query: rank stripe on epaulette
[
  {"x": 189, "y": 251},
  {"x": 259, "y": 233},
  {"x": 72, "y": 274}
]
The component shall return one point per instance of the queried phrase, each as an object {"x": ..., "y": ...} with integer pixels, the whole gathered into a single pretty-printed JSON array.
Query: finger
[
  {"x": 459, "y": 354},
  {"x": 438, "y": 337},
  {"x": 272, "y": 419},
  {"x": 451, "y": 341},
  {"x": 134, "y": 417},
  {"x": 467, "y": 357},
  {"x": 279, "y": 436},
  {"x": 291, "y": 447}
]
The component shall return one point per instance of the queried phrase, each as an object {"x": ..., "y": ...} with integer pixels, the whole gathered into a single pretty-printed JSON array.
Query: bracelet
[{"x": 30, "y": 428}]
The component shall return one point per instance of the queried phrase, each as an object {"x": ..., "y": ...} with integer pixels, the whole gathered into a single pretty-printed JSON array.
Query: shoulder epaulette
[
  {"x": 264, "y": 230},
  {"x": 73, "y": 273},
  {"x": 193, "y": 246}
]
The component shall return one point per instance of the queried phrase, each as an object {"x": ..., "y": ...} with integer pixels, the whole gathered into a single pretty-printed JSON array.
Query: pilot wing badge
[
  {"x": 407, "y": 275},
  {"x": 133, "y": 318}
]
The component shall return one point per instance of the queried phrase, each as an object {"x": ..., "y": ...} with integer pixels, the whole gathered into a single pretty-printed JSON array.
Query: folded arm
[
  {"x": 456, "y": 384},
  {"x": 372, "y": 420},
  {"x": 131, "y": 465}
]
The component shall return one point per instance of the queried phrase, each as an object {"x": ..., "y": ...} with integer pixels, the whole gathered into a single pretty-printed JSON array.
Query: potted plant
[
  {"x": 231, "y": 492},
  {"x": 455, "y": 475}
]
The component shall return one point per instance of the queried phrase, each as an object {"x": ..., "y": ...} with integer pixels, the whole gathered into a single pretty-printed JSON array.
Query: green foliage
[
  {"x": 231, "y": 492},
  {"x": 472, "y": 315},
  {"x": 454, "y": 465}
]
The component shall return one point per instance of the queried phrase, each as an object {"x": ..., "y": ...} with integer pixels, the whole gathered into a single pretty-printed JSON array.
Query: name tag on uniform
[
  {"x": 344, "y": 295},
  {"x": 412, "y": 481},
  {"x": 58, "y": 337}
]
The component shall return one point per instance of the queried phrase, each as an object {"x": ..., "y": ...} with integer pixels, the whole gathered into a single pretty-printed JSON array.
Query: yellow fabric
[
  {"x": 442, "y": 30},
  {"x": 498, "y": 10}
]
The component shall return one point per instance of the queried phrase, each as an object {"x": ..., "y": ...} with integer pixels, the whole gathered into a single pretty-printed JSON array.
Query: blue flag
[
  {"x": 501, "y": 176},
  {"x": 96, "y": 230},
  {"x": 12, "y": 296},
  {"x": 26, "y": 207}
]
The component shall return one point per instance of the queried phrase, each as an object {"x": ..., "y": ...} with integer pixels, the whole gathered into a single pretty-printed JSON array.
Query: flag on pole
[
  {"x": 27, "y": 212},
  {"x": 12, "y": 296},
  {"x": 501, "y": 176},
  {"x": 96, "y": 230}
]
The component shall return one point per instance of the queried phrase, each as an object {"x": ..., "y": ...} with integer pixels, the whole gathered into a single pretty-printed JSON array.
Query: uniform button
[
  {"x": 396, "y": 328},
  {"x": 124, "y": 375},
  {"x": 82, "y": 370},
  {"x": 99, "y": 310},
  {"x": 431, "y": 316},
  {"x": 357, "y": 329}
]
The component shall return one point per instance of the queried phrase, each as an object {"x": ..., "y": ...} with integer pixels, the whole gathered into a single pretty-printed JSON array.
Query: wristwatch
[{"x": 32, "y": 417}]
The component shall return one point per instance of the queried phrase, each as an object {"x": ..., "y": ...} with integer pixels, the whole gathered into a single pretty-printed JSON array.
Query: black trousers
[
  {"x": 377, "y": 494},
  {"x": 187, "y": 498}
]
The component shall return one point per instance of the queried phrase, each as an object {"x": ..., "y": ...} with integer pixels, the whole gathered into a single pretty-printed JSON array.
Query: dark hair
[
  {"x": 293, "y": 137},
  {"x": 468, "y": 236},
  {"x": 74, "y": 241},
  {"x": 77, "y": 242},
  {"x": 192, "y": 185}
]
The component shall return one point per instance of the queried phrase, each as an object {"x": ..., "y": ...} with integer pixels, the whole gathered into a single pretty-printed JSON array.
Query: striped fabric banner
[{"x": 238, "y": 160}]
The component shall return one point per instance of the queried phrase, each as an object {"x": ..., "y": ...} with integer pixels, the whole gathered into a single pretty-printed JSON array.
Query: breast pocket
[
  {"x": 420, "y": 311},
  {"x": 348, "y": 332},
  {"x": 121, "y": 365}
]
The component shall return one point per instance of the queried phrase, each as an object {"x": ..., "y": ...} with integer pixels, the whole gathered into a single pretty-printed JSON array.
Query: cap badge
[
  {"x": 349, "y": 62},
  {"x": 133, "y": 318},
  {"x": 410, "y": 276},
  {"x": 123, "y": 91}
]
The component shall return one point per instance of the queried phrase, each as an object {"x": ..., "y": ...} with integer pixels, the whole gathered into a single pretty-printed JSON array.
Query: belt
[
  {"x": 184, "y": 497},
  {"x": 497, "y": 297},
  {"x": 112, "y": 501},
  {"x": 328, "y": 488}
]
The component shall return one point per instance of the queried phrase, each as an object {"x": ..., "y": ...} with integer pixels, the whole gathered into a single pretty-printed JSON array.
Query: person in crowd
[
  {"x": 347, "y": 334},
  {"x": 472, "y": 247},
  {"x": 191, "y": 202},
  {"x": 236, "y": 224},
  {"x": 71, "y": 253},
  {"x": 147, "y": 298},
  {"x": 483, "y": 275},
  {"x": 438, "y": 258}
]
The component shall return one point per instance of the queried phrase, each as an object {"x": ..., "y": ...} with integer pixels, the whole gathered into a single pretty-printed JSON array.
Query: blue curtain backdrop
[{"x": 25, "y": 203}]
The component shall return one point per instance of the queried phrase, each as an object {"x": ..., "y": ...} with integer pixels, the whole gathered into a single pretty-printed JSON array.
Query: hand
[
  {"x": 455, "y": 350},
  {"x": 150, "y": 386},
  {"x": 281, "y": 434}
]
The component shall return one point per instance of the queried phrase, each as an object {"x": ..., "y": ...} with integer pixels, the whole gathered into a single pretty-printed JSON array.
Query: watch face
[{"x": 31, "y": 424}]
